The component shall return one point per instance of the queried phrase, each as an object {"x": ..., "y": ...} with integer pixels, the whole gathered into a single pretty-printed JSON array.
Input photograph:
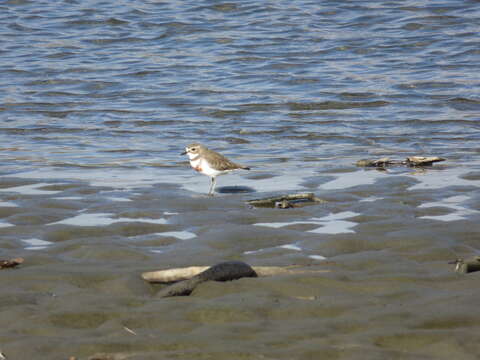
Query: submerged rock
[{"x": 286, "y": 201}]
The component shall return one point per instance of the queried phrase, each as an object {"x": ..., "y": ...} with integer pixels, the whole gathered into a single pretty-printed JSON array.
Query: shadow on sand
[{"x": 234, "y": 189}]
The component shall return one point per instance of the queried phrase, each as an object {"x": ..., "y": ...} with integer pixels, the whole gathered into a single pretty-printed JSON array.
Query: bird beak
[{"x": 184, "y": 153}]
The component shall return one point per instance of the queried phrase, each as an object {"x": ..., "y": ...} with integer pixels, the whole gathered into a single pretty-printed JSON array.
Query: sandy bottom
[{"x": 389, "y": 293}]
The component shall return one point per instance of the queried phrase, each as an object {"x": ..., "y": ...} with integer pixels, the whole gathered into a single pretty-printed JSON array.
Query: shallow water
[{"x": 99, "y": 99}]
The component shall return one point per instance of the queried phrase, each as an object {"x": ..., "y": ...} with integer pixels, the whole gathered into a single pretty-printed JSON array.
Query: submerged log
[
  {"x": 286, "y": 201},
  {"x": 467, "y": 266},
  {"x": 4, "y": 264},
  {"x": 409, "y": 161}
]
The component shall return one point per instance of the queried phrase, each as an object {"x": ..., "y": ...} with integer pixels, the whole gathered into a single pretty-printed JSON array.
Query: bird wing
[{"x": 220, "y": 162}]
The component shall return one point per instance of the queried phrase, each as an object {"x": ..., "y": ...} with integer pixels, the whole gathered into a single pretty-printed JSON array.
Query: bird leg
[{"x": 212, "y": 186}]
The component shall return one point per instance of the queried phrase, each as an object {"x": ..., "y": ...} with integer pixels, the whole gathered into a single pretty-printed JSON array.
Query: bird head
[{"x": 193, "y": 149}]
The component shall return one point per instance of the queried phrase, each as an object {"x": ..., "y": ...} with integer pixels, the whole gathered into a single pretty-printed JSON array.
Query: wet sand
[
  {"x": 390, "y": 292},
  {"x": 97, "y": 101}
]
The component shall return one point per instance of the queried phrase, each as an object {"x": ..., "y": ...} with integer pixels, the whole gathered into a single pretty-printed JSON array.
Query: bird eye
[{"x": 193, "y": 149}]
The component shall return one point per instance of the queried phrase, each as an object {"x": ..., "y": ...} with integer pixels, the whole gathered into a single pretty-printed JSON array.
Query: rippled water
[{"x": 98, "y": 99}]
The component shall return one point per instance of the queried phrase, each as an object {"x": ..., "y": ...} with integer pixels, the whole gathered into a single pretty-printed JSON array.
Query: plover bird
[{"x": 210, "y": 163}]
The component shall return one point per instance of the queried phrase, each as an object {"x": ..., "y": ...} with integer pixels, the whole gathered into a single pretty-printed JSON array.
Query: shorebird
[{"x": 210, "y": 163}]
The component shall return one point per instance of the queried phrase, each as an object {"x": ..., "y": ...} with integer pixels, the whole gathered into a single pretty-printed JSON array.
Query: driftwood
[
  {"x": 180, "y": 274},
  {"x": 376, "y": 163},
  {"x": 5, "y": 264},
  {"x": 467, "y": 266},
  {"x": 189, "y": 278},
  {"x": 409, "y": 161},
  {"x": 422, "y": 160},
  {"x": 286, "y": 201}
]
